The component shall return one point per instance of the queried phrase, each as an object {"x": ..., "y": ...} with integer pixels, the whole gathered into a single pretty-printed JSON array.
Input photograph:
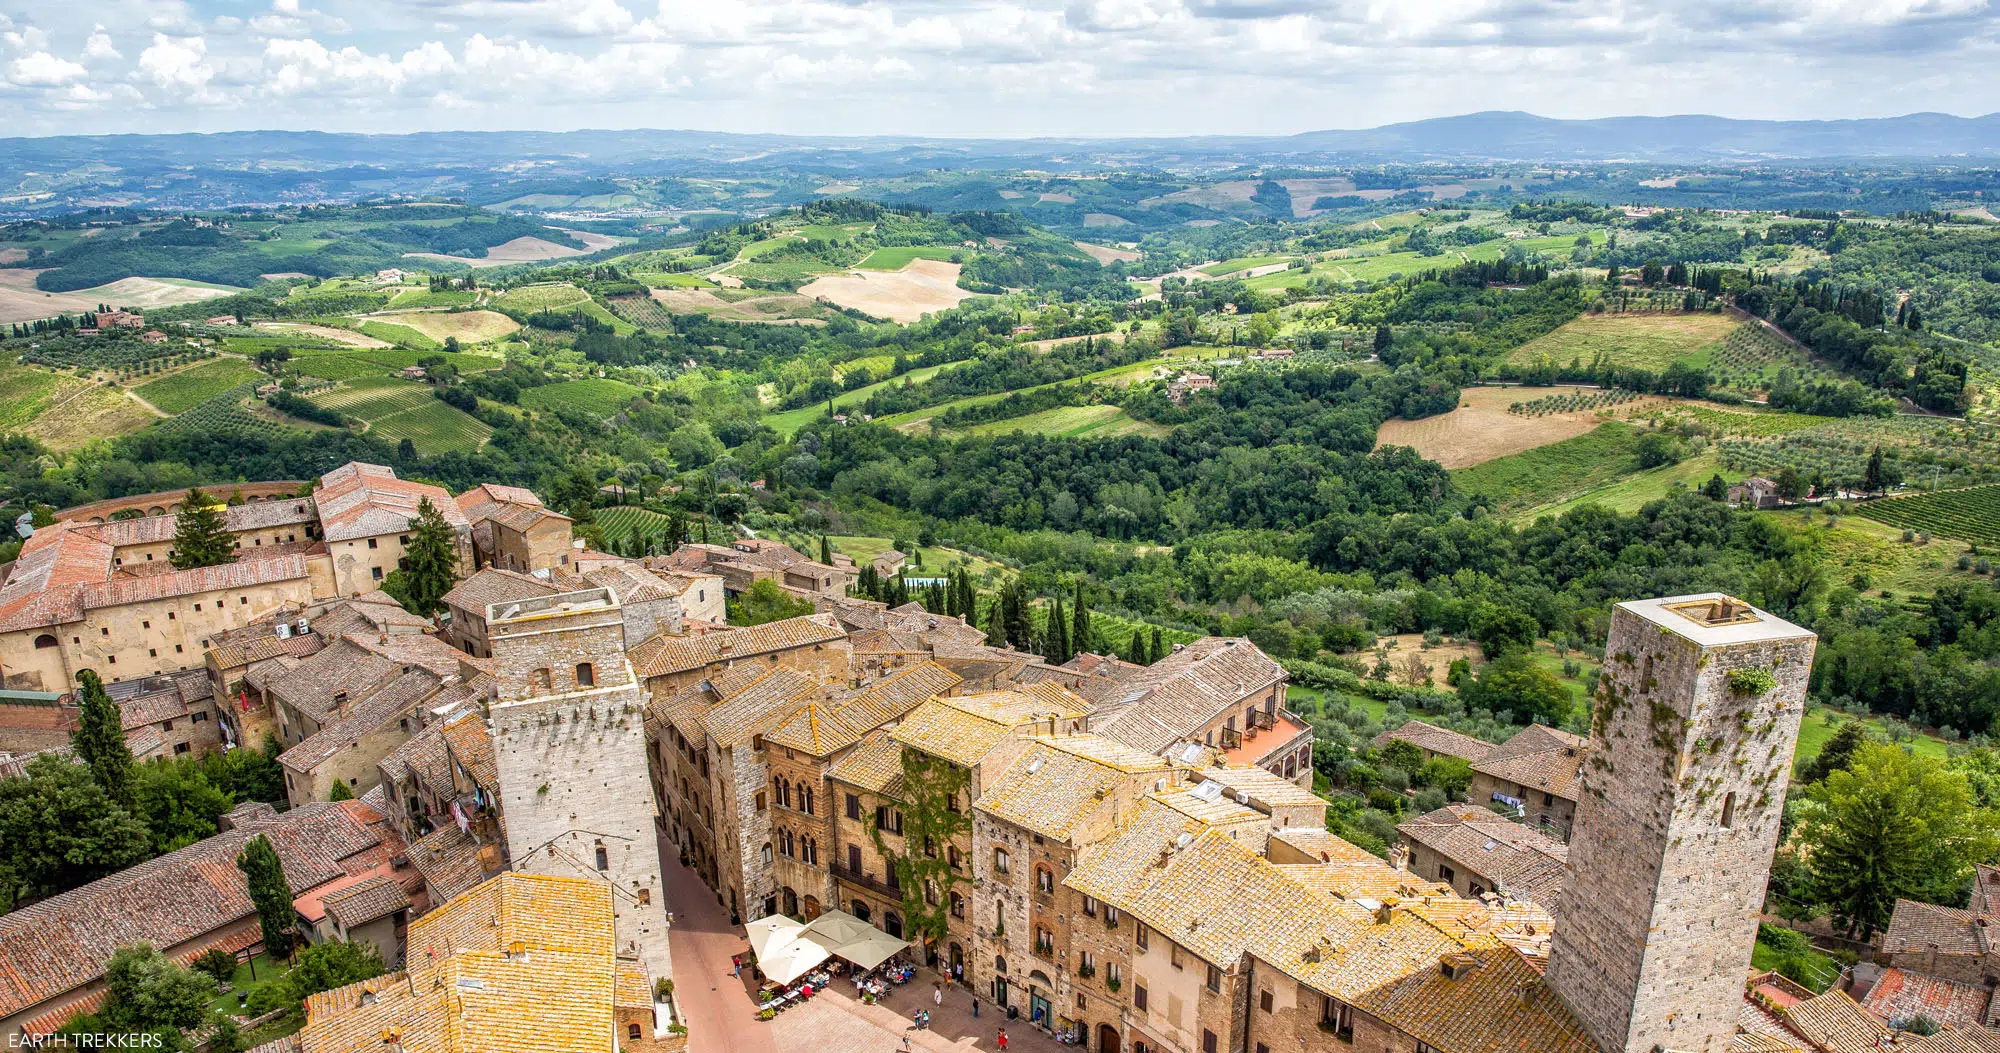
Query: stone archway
[{"x": 1107, "y": 1039}]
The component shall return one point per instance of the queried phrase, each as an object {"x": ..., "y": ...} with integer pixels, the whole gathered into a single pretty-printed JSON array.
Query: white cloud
[
  {"x": 179, "y": 67},
  {"x": 100, "y": 47},
  {"x": 43, "y": 70}
]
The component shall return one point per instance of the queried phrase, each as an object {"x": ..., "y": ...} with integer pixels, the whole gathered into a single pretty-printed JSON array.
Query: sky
[{"x": 972, "y": 68}]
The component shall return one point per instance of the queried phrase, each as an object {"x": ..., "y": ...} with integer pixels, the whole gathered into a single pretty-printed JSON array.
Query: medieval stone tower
[
  {"x": 569, "y": 740},
  {"x": 1696, "y": 716}
]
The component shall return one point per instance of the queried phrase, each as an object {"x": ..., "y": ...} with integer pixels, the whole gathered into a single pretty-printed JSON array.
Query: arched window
[
  {"x": 859, "y": 909},
  {"x": 805, "y": 800},
  {"x": 999, "y": 964},
  {"x": 585, "y": 675},
  {"x": 633, "y": 1032},
  {"x": 812, "y": 851},
  {"x": 44, "y": 640},
  {"x": 791, "y": 900},
  {"x": 767, "y": 855},
  {"x": 1045, "y": 879}
]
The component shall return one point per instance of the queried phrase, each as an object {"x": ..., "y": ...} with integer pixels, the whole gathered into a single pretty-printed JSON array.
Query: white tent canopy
[{"x": 787, "y": 950}]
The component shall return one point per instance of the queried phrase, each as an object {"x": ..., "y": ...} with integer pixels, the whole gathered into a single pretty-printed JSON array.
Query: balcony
[{"x": 867, "y": 881}]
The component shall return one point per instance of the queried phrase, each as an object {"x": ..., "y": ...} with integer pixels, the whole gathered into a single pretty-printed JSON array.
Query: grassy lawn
[
  {"x": 249, "y": 976},
  {"x": 592, "y": 394},
  {"x": 1242, "y": 263},
  {"x": 1631, "y": 492},
  {"x": 25, "y": 391},
  {"x": 897, "y": 257},
  {"x": 1816, "y": 731}
]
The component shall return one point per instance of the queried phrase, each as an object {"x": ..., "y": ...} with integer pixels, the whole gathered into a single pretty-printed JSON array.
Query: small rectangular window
[
  {"x": 1214, "y": 978},
  {"x": 1207, "y": 1041},
  {"x": 1139, "y": 996},
  {"x": 1264, "y": 1001},
  {"x": 371, "y": 543}
]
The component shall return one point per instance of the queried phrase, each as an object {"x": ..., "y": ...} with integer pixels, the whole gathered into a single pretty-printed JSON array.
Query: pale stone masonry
[
  {"x": 569, "y": 746},
  {"x": 1696, "y": 717}
]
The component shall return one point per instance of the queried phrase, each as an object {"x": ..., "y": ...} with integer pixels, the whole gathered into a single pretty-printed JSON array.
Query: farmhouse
[
  {"x": 1754, "y": 492},
  {"x": 1538, "y": 773}
]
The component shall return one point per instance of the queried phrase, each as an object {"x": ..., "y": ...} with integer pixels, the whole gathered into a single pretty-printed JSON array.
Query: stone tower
[
  {"x": 1694, "y": 722},
  {"x": 569, "y": 740}
]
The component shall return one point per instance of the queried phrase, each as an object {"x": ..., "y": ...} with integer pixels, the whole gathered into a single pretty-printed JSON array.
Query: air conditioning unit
[{"x": 284, "y": 630}]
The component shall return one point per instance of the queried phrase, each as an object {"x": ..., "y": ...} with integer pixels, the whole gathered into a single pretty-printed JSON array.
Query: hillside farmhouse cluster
[{"x": 1129, "y": 852}]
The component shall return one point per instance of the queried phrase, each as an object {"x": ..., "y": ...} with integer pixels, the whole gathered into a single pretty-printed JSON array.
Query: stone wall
[{"x": 1677, "y": 824}]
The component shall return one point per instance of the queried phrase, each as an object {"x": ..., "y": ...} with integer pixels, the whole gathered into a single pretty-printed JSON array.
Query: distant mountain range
[{"x": 1491, "y": 135}]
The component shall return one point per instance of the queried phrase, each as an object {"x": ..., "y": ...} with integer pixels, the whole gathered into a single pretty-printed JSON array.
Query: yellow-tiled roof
[
  {"x": 962, "y": 729},
  {"x": 665, "y": 654},
  {"x": 520, "y": 964},
  {"x": 874, "y": 764},
  {"x": 1260, "y": 785},
  {"x": 1056, "y": 783},
  {"x": 1836, "y": 1023},
  {"x": 1323, "y": 845},
  {"x": 822, "y": 726}
]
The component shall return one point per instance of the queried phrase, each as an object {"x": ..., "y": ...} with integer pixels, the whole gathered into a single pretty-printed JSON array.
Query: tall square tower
[
  {"x": 1693, "y": 726},
  {"x": 569, "y": 742}
]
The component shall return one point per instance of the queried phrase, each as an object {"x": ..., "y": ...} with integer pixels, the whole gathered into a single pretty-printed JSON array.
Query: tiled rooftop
[{"x": 663, "y": 654}]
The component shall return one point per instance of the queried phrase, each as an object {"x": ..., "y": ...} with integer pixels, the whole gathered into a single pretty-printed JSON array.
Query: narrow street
[{"x": 716, "y": 1006}]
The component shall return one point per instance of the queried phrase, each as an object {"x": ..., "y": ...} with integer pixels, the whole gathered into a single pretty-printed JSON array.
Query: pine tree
[
  {"x": 433, "y": 561},
  {"x": 269, "y": 891},
  {"x": 201, "y": 537},
  {"x": 340, "y": 791},
  {"x": 1079, "y": 627},
  {"x": 99, "y": 739}
]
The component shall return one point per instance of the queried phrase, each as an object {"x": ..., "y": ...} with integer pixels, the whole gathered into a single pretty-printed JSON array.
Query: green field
[
  {"x": 897, "y": 257},
  {"x": 1550, "y": 473},
  {"x": 1125, "y": 373},
  {"x": 1641, "y": 341},
  {"x": 414, "y": 296},
  {"x": 673, "y": 280},
  {"x": 531, "y": 298},
  {"x": 1636, "y": 490},
  {"x": 433, "y": 427},
  {"x": 224, "y": 414},
  {"x": 789, "y": 421},
  {"x": 592, "y": 395},
  {"x": 1815, "y": 732},
  {"x": 623, "y": 521},
  {"x": 25, "y": 391},
  {"x": 373, "y": 398},
  {"x": 1970, "y": 515},
  {"x": 183, "y": 391},
  {"x": 1242, "y": 263},
  {"x": 1097, "y": 422},
  {"x": 400, "y": 335}
]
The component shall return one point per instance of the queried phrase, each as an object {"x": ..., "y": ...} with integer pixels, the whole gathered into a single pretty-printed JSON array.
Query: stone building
[
  {"x": 510, "y": 529},
  {"x": 182, "y": 903},
  {"x": 1695, "y": 721},
  {"x": 1537, "y": 773},
  {"x": 525, "y": 963},
  {"x": 813, "y": 645},
  {"x": 1223, "y": 693},
  {"x": 1476, "y": 852},
  {"x": 168, "y": 716},
  {"x": 365, "y": 513},
  {"x": 570, "y": 755},
  {"x": 467, "y": 601},
  {"x": 747, "y": 561}
]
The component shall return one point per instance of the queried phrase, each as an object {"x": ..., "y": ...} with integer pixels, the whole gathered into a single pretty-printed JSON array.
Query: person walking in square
[{"x": 1003, "y": 1038}]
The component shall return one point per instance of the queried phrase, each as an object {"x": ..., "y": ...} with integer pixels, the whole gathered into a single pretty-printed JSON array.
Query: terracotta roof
[
  {"x": 513, "y": 507},
  {"x": 1056, "y": 783},
  {"x": 466, "y": 992},
  {"x": 1437, "y": 740},
  {"x": 663, "y": 655},
  {"x": 1835, "y": 1023},
  {"x": 1175, "y": 697},
  {"x": 493, "y": 585},
  {"x": 1323, "y": 845},
  {"x": 471, "y": 744},
  {"x": 1541, "y": 758},
  {"x": 152, "y": 708},
  {"x": 247, "y": 572},
  {"x": 61, "y": 943},
  {"x": 359, "y": 904},
  {"x": 1263, "y": 787},
  {"x": 423, "y": 756},
  {"x": 1524, "y": 861},
  {"x": 874, "y": 764},
  {"x": 963, "y": 729},
  {"x": 397, "y": 698},
  {"x": 448, "y": 859},
  {"x": 1899, "y": 995},
  {"x": 822, "y": 726},
  {"x": 633, "y": 583},
  {"x": 250, "y": 515},
  {"x": 44, "y": 584},
  {"x": 755, "y": 708},
  {"x": 359, "y": 500},
  {"x": 1917, "y": 927}
]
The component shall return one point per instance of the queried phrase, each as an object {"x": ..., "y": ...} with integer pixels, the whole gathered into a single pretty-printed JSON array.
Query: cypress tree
[
  {"x": 996, "y": 622},
  {"x": 99, "y": 739},
  {"x": 1079, "y": 626},
  {"x": 1158, "y": 650},
  {"x": 1136, "y": 650},
  {"x": 1057, "y": 649},
  {"x": 201, "y": 537},
  {"x": 825, "y": 551},
  {"x": 340, "y": 791},
  {"x": 269, "y": 891}
]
